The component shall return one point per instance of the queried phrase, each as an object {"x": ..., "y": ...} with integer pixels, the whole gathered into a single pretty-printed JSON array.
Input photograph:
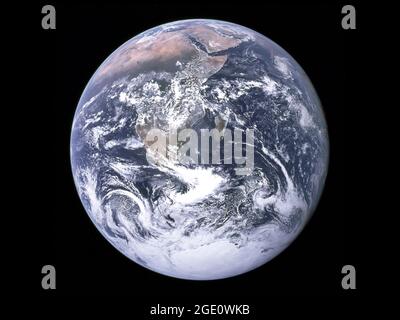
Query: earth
[{"x": 199, "y": 221}]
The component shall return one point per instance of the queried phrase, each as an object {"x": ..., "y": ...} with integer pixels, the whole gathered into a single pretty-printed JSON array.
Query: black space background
[{"x": 86, "y": 263}]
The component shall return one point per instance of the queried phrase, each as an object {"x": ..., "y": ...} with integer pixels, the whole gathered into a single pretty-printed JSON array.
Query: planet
[{"x": 199, "y": 149}]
